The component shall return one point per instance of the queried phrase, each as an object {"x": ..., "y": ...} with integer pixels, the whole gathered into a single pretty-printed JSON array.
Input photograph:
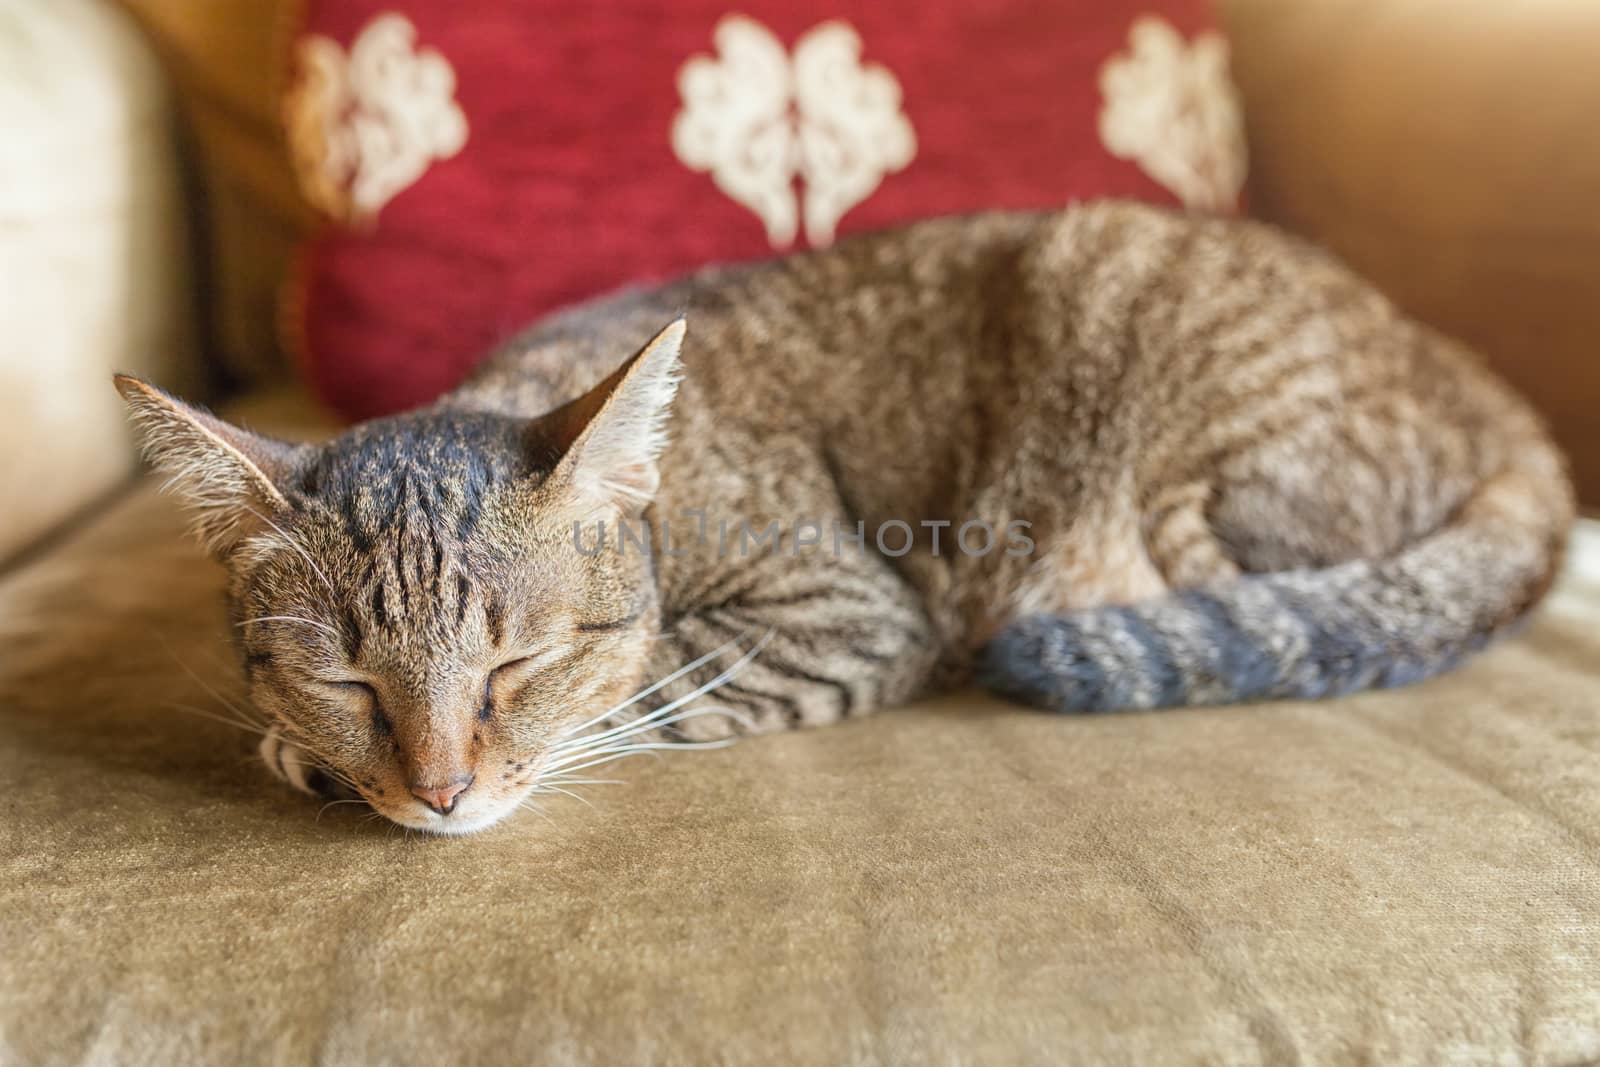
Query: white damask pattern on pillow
[
  {"x": 756, "y": 118},
  {"x": 1171, "y": 107},
  {"x": 365, "y": 125}
]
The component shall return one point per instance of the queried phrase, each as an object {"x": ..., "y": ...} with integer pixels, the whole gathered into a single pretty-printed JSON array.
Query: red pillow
[{"x": 482, "y": 162}]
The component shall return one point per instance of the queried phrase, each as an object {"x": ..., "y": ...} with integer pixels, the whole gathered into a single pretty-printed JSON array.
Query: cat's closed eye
[
  {"x": 513, "y": 671},
  {"x": 498, "y": 677},
  {"x": 349, "y": 688},
  {"x": 509, "y": 667},
  {"x": 360, "y": 695}
]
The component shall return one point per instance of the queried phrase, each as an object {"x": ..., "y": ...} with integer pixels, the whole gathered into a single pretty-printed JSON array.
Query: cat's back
[
  {"x": 915, "y": 298},
  {"x": 810, "y": 325}
]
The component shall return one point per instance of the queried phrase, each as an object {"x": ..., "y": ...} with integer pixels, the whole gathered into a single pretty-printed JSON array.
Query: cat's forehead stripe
[
  {"x": 409, "y": 492},
  {"x": 419, "y": 479}
]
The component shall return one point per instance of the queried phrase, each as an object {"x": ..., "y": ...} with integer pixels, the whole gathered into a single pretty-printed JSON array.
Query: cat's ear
[
  {"x": 611, "y": 437},
  {"x": 230, "y": 478}
]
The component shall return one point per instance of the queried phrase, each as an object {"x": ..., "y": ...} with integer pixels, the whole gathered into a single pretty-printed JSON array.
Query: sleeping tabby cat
[{"x": 1105, "y": 458}]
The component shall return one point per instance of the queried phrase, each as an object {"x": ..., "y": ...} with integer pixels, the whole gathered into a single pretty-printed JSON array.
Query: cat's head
[{"x": 412, "y": 606}]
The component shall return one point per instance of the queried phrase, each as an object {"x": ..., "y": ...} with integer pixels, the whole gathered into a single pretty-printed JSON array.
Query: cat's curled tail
[{"x": 1303, "y": 634}]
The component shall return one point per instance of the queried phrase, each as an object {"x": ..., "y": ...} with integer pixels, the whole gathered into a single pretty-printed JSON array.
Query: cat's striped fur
[{"x": 1242, "y": 472}]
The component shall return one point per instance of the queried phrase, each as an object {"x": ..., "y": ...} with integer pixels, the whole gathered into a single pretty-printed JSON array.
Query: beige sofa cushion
[
  {"x": 93, "y": 262},
  {"x": 1410, "y": 876}
]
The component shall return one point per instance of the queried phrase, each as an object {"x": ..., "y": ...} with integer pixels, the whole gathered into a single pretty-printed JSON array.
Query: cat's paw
[{"x": 290, "y": 763}]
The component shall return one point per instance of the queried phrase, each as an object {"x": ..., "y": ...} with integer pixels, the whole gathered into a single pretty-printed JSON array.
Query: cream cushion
[{"x": 94, "y": 272}]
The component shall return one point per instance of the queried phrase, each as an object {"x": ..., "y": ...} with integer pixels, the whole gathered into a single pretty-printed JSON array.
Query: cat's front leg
[{"x": 816, "y": 647}]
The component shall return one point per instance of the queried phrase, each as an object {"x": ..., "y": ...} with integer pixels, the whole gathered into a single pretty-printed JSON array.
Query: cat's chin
[{"x": 456, "y": 824}]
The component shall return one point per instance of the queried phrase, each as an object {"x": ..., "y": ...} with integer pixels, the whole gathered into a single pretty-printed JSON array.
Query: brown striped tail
[{"x": 1300, "y": 634}]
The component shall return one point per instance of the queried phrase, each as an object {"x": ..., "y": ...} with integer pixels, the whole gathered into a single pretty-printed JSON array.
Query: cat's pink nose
[{"x": 442, "y": 799}]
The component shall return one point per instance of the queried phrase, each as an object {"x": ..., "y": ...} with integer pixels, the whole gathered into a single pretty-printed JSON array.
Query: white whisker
[
  {"x": 641, "y": 694},
  {"x": 324, "y": 627},
  {"x": 332, "y": 803},
  {"x": 738, "y": 665},
  {"x": 248, "y": 727},
  {"x": 606, "y": 755},
  {"x": 202, "y": 683},
  {"x": 646, "y": 723},
  {"x": 566, "y": 792},
  {"x": 654, "y": 718},
  {"x": 292, "y": 543},
  {"x": 530, "y": 806}
]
